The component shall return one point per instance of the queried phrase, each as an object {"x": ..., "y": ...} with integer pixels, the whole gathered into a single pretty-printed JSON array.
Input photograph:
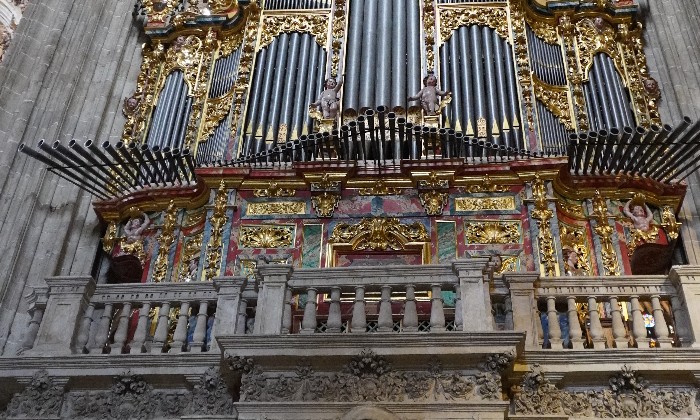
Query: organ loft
[{"x": 354, "y": 209}]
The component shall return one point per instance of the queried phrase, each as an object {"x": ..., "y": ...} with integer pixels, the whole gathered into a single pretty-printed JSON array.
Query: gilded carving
[
  {"x": 594, "y": 36},
  {"x": 544, "y": 31},
  {"x": 574, "y": 238},
  {"x": 110, "y": 239},
  {"x": 492, "y": 232},
  {"x": 485, "y": 203},
  {"x": 522, "y": 58},
  {"x": 325, "y": 204},
  {"x": 165, "y": 241},
  {"x": 338, "y": 33},
  {"x": 159, "y": 10},
  {"x": 139, "y": 105},
  {"x": 325, "y": 184},
  {"x": 555, "y": 99},
  {"x": 200, "y": 83},
  {"x": 452, "y": 18},
  {"x": 542, "y": 215},
  {"x": 379, "y": 188},
  {"x": 190, "y": 258},
  {"x": 433, "y": 182},
  {"x": 230, "y": 43},
  {"x": 507, "y": 264},
  {"x": 433, "y": 201},
  {"x": 573, "y": 71},
  {"x": 266, "y": 236},
  {"x": 668, "y": 221},
  {"x": 274, "y": 190},
  {"x": 379, "y": 234},
  {"x": 217, "y": 221},
  {"x": 605, "y": 232},
  {"x": 280, "y": 207},
  {"x": 245, "y": 65},
  {"x": 314, "y": 23},
  {"x": 216, "y": 111},
  {"x": 487, "y": 185},
  {"x": 574, "y": 210},
  {"x": 429, "y": 30}
]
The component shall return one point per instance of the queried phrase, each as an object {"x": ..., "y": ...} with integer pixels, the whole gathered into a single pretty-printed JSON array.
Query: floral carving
[
  {"x": 314, "y": 24},
  {"x": 496, "y": 232},
  {"x": 41, "y": 398},
  {"x": 210, "y": 396},
  {"x": 379, "y": 234},
  {"x": 271, "y": 236},
  {"x": 325, "y": 204}
]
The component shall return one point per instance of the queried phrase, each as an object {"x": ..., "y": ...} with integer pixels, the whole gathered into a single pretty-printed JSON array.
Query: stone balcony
[{"x": 456, "y": 316}]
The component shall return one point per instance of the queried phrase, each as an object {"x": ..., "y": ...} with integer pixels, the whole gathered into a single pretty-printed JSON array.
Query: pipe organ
[{"x": 518, "y": 77}]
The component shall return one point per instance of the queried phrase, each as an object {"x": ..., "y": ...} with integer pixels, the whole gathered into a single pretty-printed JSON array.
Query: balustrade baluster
[
  {"x": 334, "y": 317},
  {"x": 103, "y": 331},
  {"x": 308, "y": 324},
  {"x": 141, "y": 330},
  {"x": 575, "y": 332},
  {"x": 410, "y": 313},
  {"x": 359, "y": 318},
  {"x": 200, "y": 329},
  {"x": 33, "y": 330},
  {"x": 596, "y": 330},
  {"x": 287, "y": 313},
  {"x": 180, "y": 334},
  {"x": 459, "y": 316},
  {"x": 638, "y": 329},
  {"x": 84, "y": 329},
  {"x": 385, "y": 323},
  {"x": 437, "y": 309},
  {"x": 161, "y": 335},
  {"x": 122, "y": 329},
  {"x": 242, "y": 318},
  {"x": 660, "y": 326},
  {"x": 508, "y": 303},
  {"x": 618, "y": 327},
  {"x": 553, "y": 322}
]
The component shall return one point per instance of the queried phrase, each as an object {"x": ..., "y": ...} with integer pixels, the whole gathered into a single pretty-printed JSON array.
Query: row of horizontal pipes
[
  {"x": 546, "y": 60},
  {"x": 477, "y": 65},
  {"x": 382, "y": 137},
  {"x": 383, "y": 54},
  {"x": 288, "y": 76},
  {"x": 607, "y": 100},
  {"x": 297, "y": 4},
  {"x": 662, "y": 153},
  {"x": 171, "y": 114},
  {"x": 110, "y": 171}
]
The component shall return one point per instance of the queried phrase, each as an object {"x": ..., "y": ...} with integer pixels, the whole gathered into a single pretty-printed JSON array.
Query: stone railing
[
  {"x": 75, "y": 316},
  {"x": 606, "y": 312}
]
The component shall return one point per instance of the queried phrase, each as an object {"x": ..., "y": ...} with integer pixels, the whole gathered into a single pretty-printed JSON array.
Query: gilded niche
[
  {"x": 379, "y": 234},
  {"x": 266, "y": 236},
  {"x": 492, "y": 232}
]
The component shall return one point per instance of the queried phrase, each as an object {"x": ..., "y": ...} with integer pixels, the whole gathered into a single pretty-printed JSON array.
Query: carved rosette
[
  {"x": 605, "y": 232},
  {"x": 452, "y": 18},
  {"x": 555, "y": 99},
  {"x": 165, "y": 242},
  {"x": 314, "y": 23},
  {"x": 217, "y": 221},
  {"x": 542, "y": 215},
  {"x": 379, "y": 234}
]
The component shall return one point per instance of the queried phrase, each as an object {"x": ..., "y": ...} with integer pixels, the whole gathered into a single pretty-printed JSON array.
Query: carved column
[
  {"x": 437, "y": 310},
  {"x": 122, "y": 329},
  {"x": 410, "y": 313},
  {"x": 270, "y": 309},
  {"x": 200, "y": 328},
  {"x": 68, "y": 298},
  {"x": 638, "y": 329},
  {"x": 359, "y": 317},
  {"x": 180, "y": 334},
  {"x": 522, "y": 296},
  {"x": 477, "y": 314},
  {"x": 228, "y": 291}
]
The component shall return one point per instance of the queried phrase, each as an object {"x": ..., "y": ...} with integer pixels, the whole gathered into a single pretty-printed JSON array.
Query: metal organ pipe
[
  {"x": 477, "y": 59},
  {"x": 466, "y": 84},
  {"x": 289, "y": 85},
  {"x": 398, "y": 54},
  {"x": 604, "y": 73},
  {"x": 456, "y": 83},
  {"x": 369, "y": 44},
  {"x": 354, "y": 55},
  {"x": 262, "y": 113},
  {"x": 254, "y": 100},
  {"x": 301, "y": 86},
  {"x": 384, "y": 29},
  {"x": 274, "y": 109},
  {"x": 413, "y": 48},
  {"x": 513, "y": 100},
  {"x": 501, "y": 83},
  {"x": 313, "y": 86},
  {"x": 491, "y": 122}
]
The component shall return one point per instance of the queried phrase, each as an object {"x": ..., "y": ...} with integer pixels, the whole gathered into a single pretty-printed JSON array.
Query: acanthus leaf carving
[
  {"x": 379, "y": 234},
  {"x": 42, "y": 398}
]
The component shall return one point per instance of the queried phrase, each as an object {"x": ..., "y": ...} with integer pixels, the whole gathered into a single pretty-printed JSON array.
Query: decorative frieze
[
  {"x": 276, "y": 207},
  {"x": 266, "y": 236},
  {"x": 484, "y": 203},
  {"x": 492, "y": 232}
]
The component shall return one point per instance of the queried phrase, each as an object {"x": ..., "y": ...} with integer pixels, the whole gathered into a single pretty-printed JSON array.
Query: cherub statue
[
  {"x": 328, "y": 100},
  {"x": 571, "y": 266},
  {"x": 428, "y": 96},
  {"x": 135, "y": 227},
  {"x": 640, "y": 214}
]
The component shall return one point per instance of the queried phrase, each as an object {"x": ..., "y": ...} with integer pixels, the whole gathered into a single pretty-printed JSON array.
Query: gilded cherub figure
[
  {"x": 135, "y": 227},
  {"x": 428, "y": 96},
  {"x": 328, "y": 100}
]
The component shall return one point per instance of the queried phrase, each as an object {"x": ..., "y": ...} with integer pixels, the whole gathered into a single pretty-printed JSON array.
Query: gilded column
[
  {"x": 217, "y": 222},
  {"x": 165, "y": 241},
  {"x": 542, "y": 215},
  {"x": 605, "y": 232}
]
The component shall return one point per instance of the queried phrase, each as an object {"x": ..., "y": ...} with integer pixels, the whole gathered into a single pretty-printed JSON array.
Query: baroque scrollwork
[
  {"x": 522, "y": 58},
  {"x": 217, "y": 221},
  {"x": 555, "y": 99},
  {"x": 367, "y": 377},
  {"x": 216, "y": 111},
  {"x": 313, "y": 23},
  {"x": 266, "y": 236},
  {"x": 542, "y": 215},
  {"x": 487, "y": 186},
  {"x": 379, "y": 188},
  {"x": 325, "y": 204},
  {"x": 605, "y": 232},
  {"x": 492, "y": 232},
  {"x": 452, "y": 18},
  {"x": 628, "y": 396},
  {"x": 42, "y": 398},
  {"x": 574, "y": 238},
  {"x": 165, "y": 241},
  {"x": 274, "y": 190},
  {"x": 484, "y": 203},
  {"x": 338, "y": 33},
  {"x": 668, "y": 221},
  {"x": 433, "y": 201},
  {"x": 379, "y": 234}
]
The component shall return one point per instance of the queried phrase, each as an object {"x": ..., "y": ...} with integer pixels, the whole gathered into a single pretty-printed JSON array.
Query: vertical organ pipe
[
  {"x": 456, "y": 80},
  {"x": 254, "y": 100},
  {"x": 354, "y": 55},
  {"x": 477, "y": 59},
  {"x": 289, "y": 84},
  {"x": 383, "y": 68},
  {"x": 369, "y": 50},
  {"x": 398, "y": 54},
  {"x": 466, "y": 85},
  {"x": 413, "y": 56},
  {"x": 301, "y": 86},
  {"x": 274, "y": 109},
  {"x": 491, "y": 121}
]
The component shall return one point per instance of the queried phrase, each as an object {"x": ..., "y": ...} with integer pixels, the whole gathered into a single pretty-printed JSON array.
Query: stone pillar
[
  {"x": 687, "y": 281},
  {"x": 228, "y": 291},
  {"x": 522, "y": 296},
  {"x": 476, "y": 301},
  {"x": 68, "y": 298},
  {"x": 270, "y": 308}
]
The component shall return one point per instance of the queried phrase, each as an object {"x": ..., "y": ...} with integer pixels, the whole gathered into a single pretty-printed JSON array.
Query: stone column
[
  {"x": 228, "y": 291},
  {"x": 68, "y": 298},
  {"x": 687, "y": 282},
  {"x": 270, "y": 308},
  {"x": 476, "y": 301},
  {"x": 522, "y": 296}
]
